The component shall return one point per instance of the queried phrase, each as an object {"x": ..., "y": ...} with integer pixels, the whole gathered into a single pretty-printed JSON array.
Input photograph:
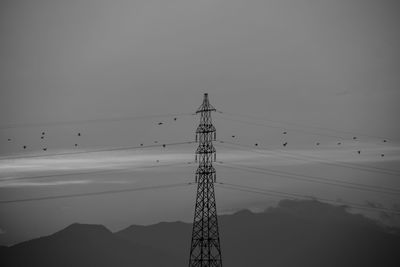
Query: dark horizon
[{"x": 343, "y": 239}]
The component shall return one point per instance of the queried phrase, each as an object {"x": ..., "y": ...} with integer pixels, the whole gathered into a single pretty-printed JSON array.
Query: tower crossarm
[{"x": 205, "y": 149}]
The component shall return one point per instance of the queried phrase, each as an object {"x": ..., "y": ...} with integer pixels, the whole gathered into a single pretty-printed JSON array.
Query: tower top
[{"x": 205, "y": 106}]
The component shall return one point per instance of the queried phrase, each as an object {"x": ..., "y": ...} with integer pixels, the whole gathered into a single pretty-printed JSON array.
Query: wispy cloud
[
  {"x": 19, "y": 183},
  {"x": 146, "y": 160},
  {"x": 88, "y": 162},
  {"x": 36, "y": 184}
]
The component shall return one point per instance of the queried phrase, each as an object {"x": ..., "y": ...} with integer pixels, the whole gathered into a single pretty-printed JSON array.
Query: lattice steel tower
[{"x": 205, "y": 248}]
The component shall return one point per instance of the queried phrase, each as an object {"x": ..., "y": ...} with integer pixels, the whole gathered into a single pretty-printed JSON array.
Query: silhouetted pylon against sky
[{"x": 205, "y": 247}]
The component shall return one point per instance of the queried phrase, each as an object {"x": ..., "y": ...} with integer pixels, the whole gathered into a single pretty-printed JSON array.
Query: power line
[
  {"x": 98, "y": 150},
  {"x": 326, "y": 161},
  {"x": 319, "y": 160},
  {"x": 297, "y": 196},
  {"x": 353, "y": 133},
  {"x": 90, "y": 172},
  {"x": 106, "y": 192},
  {"x": 315, "y": 179},
  {"x": 33, "y": 125},
  {"x": 280, "y": 128}
]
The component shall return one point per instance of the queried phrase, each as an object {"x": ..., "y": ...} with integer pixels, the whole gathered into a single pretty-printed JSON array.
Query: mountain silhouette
[
  {"x": 175, "y": 238},
  {"x": 82, "y": 245},
  {"x": 306, "y": 233},
  {"x": 295, "y": 233}
]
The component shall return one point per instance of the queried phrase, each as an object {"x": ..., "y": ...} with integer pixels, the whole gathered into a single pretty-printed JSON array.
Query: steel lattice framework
[{"x": 205, "y": 247}]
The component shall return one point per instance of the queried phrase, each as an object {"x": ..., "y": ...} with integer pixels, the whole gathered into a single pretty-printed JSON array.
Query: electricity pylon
[{"x": 205, "y": 250}]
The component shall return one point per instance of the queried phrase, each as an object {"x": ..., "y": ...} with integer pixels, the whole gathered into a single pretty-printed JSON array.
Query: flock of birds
[
  {"x": 42, "y": 137},
  {"x": 284, "y": 144}
]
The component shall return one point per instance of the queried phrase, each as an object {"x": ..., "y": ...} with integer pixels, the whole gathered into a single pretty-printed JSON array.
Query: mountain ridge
[{"x": 295, "y": 233}]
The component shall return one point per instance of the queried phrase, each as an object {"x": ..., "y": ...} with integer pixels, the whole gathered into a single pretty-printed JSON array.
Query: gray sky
[{"x": 318, "y": 63}]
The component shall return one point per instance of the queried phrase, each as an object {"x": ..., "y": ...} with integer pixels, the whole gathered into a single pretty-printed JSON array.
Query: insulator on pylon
[
  {"x": 215, "y": 177},
  {"x": 196, "y": 137},
  {"x": 215, "y": 136},
  {"x": 195, "y": 178},
  {"x": 195, "y": 158},
  {"x": 215, "y": 156}
]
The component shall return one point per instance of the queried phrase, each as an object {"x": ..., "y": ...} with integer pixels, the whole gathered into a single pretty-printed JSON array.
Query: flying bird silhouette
[
  {"x": 285, "y": 144},
  {"x": 160, "y": 123}
]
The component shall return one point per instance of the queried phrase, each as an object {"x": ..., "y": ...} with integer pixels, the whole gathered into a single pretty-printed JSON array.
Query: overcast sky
[{"x": 316, "y": 63}]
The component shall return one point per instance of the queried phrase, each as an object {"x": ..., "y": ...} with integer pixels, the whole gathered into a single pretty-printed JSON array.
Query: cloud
[
  {"x": 21, "y": 183},
  {"x": 35, "y": 184},
  {"x": 147, "y": 160},
  {"x": 122, "y": 160}
]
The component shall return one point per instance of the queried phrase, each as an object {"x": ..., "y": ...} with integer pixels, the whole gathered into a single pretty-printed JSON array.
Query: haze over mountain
[{"x": 295, "y": 233}]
